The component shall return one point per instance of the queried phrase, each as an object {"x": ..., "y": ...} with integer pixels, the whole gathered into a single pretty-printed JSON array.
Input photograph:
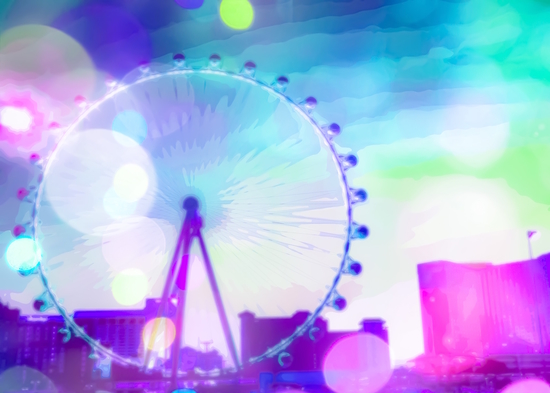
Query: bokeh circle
[
  {"x": 46, "y": 59},
  {"x": 23, "y": 378},
  {"x": 532, "y": 385},
  {"x": 358, "y": 363}
]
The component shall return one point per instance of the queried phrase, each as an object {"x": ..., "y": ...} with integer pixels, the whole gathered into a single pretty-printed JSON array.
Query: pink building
[{"x": 485, "y": 309}]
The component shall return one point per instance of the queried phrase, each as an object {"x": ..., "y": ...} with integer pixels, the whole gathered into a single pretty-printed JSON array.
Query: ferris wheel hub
[{"x": 191, "y": 204}]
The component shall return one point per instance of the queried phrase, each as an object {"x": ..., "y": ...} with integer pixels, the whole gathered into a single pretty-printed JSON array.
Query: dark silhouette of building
[
  {"x": 485, "y": 309},
  {"x": 208, "y": 360},
  {"x": 376, "y": 327},
  {"x": 305, "y": 353},
  {"x": 9, "y": 334},
  {"x": 36, "y": 342},
  {"x": 121, "y": 330}
]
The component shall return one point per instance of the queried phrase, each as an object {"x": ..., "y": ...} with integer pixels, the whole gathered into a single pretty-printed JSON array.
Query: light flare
[
  {"x": 23, "y": 254},
  {"x": 16, "y": 119}
]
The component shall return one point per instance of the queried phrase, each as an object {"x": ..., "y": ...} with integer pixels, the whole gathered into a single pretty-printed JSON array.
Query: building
[
  {"x": 9, "y": 333},
  {"x": 121, "y": 330},
  {"x": 305, "y": 353},
  {"x": 485, "y": 309},
  {"x": 376, "y": 327},
  {"x": 35, "y": 342}
]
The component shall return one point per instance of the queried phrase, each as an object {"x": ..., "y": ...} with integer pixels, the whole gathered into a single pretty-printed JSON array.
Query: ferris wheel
[{"x": 173, "y": 154}]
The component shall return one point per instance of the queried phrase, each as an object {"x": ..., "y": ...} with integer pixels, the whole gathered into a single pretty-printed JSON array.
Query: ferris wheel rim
[{"x": 97, "y": 347}]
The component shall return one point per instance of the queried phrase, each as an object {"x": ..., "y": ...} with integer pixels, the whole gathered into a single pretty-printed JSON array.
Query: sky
[{"x": 445, "y": 104}]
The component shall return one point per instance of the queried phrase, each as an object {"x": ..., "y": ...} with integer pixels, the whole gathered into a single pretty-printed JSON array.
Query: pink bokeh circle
[
  {"x": 528, "y": 386},
  {"x": 358, "y": 363},
  {"x": 45, "y": 59}
]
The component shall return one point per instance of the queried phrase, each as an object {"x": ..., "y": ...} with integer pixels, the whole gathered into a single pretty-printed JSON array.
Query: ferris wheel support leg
[
  {"x": 165, "y": 294},
  {"x": 181, "y": 282},
  {"x": 219, "y": 304},
  {"x": 177, "y": 341}
]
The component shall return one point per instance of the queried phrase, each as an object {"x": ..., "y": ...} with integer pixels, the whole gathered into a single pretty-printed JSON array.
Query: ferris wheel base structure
[{"x": 177, "y": 279}]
